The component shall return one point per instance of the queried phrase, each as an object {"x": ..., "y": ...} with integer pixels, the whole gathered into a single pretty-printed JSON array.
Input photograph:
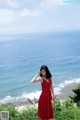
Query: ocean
[{"x": 22, "y": 55}]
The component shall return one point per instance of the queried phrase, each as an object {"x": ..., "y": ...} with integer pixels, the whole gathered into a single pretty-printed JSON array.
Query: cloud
[
  {"x": 46, "y": 14},
  {"x": 15, "y": 29},
  {"x": 10, "y": 3},
  {"x": 6, "y": 15},
  {"x": 27, "y": 12},
  {"x": 49, "y": 4}
]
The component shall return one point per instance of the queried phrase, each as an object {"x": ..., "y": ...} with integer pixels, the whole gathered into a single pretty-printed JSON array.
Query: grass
[{"x": 64, "y": 110}]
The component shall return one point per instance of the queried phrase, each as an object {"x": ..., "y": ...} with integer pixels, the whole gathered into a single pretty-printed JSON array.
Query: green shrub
[
  {"x": 12, "y": 111},
  {"x": 63, "y": 110},
  {"x": 66, "y": 110},
  {"x": 30, "y": 114},
  {"x": 76, "y": 96},
  {"x": 69, "y": 114}
]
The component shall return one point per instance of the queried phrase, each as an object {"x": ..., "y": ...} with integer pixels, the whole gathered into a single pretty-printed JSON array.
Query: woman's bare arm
[
  {"x": 52, "y": 90},
  {"x": 36, "y": 78}
]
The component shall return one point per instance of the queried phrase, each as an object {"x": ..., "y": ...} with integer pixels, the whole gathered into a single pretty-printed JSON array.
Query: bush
[
  {"x": 69, "y": 114},
  {"x": 12, "y": 111},
  {"x": 66, "y": 110},
  {"x": 63, "y": 110},
  {"x": 30, "y": 114},
  {"x": 76, "y": 96}
]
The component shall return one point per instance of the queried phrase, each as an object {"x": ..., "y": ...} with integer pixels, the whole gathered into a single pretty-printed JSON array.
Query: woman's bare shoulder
[{"x": 41, "y": 80}]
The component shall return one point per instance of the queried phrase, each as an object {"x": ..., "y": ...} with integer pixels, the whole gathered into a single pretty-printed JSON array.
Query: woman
[{"x": 45, "y": 110}]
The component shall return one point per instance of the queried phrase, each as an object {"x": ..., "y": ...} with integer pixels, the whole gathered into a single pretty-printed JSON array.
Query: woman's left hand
[{"x": 53, "y": 97}]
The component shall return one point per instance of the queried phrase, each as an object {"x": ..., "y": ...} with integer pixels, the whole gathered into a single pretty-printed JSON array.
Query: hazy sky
[{"x": 17, "y": 16}]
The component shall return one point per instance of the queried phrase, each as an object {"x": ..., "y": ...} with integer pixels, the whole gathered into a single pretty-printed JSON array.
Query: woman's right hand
[{"x": 38, "y": 73}]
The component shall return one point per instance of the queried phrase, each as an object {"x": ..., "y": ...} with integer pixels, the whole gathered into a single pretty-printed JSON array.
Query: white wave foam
[
  {"x": 57, "y": 90},
  {"x": 22, "y": 97},
  {"x": 36, "y": 94},
  {"x": 68, "y": 82}
]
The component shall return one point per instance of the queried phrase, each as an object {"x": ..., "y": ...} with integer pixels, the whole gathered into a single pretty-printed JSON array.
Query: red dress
[{"x": 45, "y": 110}]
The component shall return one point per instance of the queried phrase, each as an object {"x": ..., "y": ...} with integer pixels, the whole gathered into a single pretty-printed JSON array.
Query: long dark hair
[{"x": 48, "y": 74}]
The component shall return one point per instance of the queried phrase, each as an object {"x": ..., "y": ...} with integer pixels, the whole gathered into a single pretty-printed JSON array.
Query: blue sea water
[{"x": 22, "y": 55}]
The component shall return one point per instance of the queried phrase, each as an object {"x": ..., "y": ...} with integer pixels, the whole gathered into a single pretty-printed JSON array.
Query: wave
[{"x": 36, "y": 94}]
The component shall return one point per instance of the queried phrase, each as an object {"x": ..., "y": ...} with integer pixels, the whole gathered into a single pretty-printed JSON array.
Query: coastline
[
  {"x": 64, "y": 94},
  {"x": 66, "y": 91}
]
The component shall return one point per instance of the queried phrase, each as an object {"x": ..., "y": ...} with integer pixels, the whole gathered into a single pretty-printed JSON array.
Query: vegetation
[
  {"x": 68, "y": 109},
  {"x": 76, "y": 97}
]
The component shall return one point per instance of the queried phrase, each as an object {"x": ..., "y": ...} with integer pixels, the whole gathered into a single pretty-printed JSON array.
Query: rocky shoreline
[{"x": 64, "y": 94}]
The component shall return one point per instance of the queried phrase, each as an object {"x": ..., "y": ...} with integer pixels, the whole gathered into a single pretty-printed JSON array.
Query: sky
[{"x": 26, "y": 16}]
